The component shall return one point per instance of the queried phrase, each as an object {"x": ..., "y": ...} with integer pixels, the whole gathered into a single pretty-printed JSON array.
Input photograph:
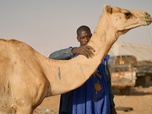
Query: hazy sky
[{"x": 49, "y": 25}]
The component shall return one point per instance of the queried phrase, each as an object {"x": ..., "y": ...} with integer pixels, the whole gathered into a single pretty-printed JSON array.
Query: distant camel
[{"x": 27, "y": 77}]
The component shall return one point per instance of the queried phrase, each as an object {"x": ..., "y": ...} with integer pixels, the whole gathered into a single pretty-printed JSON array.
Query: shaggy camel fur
[{"x": 27, "y": 77}]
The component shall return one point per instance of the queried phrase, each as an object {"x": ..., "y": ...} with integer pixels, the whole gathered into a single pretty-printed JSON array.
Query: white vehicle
[
  {"x": 123, "y": 72},
  {"x": 144, "y": 73}
]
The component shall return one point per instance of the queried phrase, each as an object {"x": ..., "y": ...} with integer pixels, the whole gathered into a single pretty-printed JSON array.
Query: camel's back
[
  {"x": 16, "y": 56},
  {"x": 10, "y": 47},
  {"x": 15, "y": 59},
  {"x": 14, "y": 53},
  {"x": 20, "y": 73}
]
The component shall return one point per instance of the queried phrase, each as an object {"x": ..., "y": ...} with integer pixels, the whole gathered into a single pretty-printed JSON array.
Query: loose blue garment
[{"x": 93, "y": 96}]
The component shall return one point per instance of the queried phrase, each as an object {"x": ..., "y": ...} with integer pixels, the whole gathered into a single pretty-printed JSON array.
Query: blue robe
[{"x": 93, "y": 96}]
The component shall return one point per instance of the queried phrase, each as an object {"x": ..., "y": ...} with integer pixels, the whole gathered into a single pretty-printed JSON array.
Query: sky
[{"x": 50, "y": 25}]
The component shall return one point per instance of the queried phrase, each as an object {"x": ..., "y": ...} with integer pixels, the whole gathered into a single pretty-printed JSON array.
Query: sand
[{"x": 138, "y": 102}]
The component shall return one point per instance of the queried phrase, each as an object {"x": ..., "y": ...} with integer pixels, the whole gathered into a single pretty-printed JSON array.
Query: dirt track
[{"x": 140, "y": 100}]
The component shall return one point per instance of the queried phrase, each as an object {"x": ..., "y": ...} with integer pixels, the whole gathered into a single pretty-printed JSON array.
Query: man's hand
[{"x": 84, "y": 50}]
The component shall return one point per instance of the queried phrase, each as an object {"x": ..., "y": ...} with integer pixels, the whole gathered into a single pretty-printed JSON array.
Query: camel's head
[{"x": 123, "y": 20}]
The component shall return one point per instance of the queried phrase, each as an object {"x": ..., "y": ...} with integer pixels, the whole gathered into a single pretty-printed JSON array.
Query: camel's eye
[{"x": 127, "y": 15}]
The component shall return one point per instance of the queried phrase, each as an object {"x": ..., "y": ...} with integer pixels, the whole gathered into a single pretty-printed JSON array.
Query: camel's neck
[
  {"x": 67, "y": 75},
  {"x": 103, "y": 38}
]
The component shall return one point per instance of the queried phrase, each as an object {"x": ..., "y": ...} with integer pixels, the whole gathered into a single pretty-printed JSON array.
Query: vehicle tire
[
  {"x": 140, "y": 81},
  {"x": 125, "y": 91},
  {"x": 147, "y": 81}
]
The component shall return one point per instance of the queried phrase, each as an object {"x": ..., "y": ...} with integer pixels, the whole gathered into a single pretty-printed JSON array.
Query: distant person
[{"x": 95, "y": 96}]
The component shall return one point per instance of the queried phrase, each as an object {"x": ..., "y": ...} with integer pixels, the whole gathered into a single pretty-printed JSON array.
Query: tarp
[{"x": 141, "y": 52}]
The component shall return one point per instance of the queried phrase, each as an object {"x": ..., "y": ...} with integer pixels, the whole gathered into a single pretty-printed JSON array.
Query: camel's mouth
[{"x": 148, "y": 19}]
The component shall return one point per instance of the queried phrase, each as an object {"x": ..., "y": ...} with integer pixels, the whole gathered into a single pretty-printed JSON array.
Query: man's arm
[
  {"x": 68, "y": 53},
  {"x": 63, "y": 54}
]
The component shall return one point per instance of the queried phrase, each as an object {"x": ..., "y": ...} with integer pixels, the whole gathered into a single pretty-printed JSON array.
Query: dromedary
[{"x": 27, "y": 77}]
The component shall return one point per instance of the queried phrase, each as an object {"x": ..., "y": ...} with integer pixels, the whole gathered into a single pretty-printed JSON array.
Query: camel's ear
[{"x": 108, "y": 9}]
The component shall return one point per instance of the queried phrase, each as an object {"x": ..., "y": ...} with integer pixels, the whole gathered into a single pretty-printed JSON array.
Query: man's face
[{"x": 84, "y": 37}]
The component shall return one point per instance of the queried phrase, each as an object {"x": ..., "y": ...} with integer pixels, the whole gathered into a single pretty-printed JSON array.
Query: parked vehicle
[
  {"x": 123, "y": 72},
  {"x": 144, "y": 73}
]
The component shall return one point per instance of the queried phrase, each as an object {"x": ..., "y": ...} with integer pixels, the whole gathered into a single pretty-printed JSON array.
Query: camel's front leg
[
  {"x": 28, "y": 91},
  {"x": 22, "y": 108}
]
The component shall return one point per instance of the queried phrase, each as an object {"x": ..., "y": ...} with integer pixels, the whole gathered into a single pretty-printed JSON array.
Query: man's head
[{"x": 83, "y": 35}]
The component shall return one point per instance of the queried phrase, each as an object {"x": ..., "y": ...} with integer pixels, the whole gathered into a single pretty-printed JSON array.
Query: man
[{"x": 95, "y": 95}]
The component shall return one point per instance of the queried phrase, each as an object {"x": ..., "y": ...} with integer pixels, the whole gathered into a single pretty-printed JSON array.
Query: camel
[{"x": 27, "y": 77}]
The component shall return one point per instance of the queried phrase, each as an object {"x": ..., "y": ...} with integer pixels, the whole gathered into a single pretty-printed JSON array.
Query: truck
[
  {"x": 144, "y": 73},
  {"x": 123, "y": 72}
]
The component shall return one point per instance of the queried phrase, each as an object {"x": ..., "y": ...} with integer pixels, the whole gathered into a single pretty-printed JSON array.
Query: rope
[{"x": 150, "y": 38}]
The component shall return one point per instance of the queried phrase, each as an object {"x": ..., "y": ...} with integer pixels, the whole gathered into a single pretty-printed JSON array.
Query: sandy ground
[{"x": 139, "y": 100}]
